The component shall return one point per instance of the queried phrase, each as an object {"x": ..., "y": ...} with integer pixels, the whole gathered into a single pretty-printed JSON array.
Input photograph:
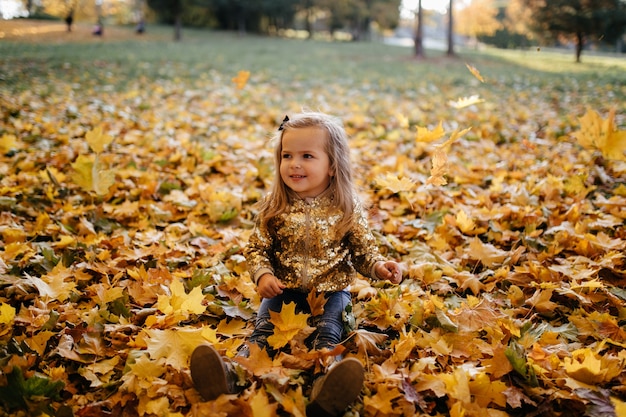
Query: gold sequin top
[{"x": 302, "y": 248}]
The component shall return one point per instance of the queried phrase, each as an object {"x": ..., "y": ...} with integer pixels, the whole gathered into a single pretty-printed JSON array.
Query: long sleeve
[
  {"x": 258, "y": 252},
  {"x": 363, "y": 245}
]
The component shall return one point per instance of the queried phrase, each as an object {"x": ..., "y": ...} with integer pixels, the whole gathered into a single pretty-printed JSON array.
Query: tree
[
  {"x": 171, "y": 10},
  {"x": 579, "y": 21},
  {"x": 419, "y": 32},
  {"x": 450, "y": 51},
  {"x": 478, "y": 18}
]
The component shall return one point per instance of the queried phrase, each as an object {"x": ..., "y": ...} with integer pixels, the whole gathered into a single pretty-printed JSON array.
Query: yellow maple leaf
[
  {"x": 403, "y": 121},
  {"x": 53, "y": 284},
  {"x": 465, "y": 101},
  {"x": 90, "y": 177},
  {"x": 475, "y": 72},
  {"x": 7, "y": 143},
  {"x": 260, "y": 405},
  {"x": 148, "y": 406},
  {"x": 486, "y": 253},
  {"x": 439, "y": 159},
  {"x": 39, "y": 342},
  {"x": 381, "y": 403},
  {"x": 454, "y": 136},
  {"x": 234, "y": 327},
  {"x": 464, "y": 222},
  {"x": 439, "y": 168},
  {"x": 484, "y": 391},
  {"x": 427, "y": 136},
  {"x": 287, "y": 324},
  {"x": 602, "y": 134},
  {"x": 174, "y": 345},
  {"x": 223, "y": 205},
  {"x": 395, "y": 184},
  {"x": 541, "y": 301},
  {"x": 292, "y": 401},
  {"x": 178, "y": 301},
  {"x": 585, "y": 366},
  {"x": 457, "y": 385},
  {"x": 575, "y": 185},
  {"x": 97, "y": 139},
  {"x": 259, "y": 361},
  {"x": 7, "y": 313},
  {"x": 241, "y": 79}
]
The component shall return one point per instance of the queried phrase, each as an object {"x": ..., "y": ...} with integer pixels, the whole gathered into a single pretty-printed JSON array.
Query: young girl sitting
[{"x": 311, "y": 234}]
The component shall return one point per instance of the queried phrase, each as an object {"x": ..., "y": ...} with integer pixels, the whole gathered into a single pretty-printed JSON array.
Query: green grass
[
  {"x": 122, "y": 60},
  {"x": 290, "y": 59}
]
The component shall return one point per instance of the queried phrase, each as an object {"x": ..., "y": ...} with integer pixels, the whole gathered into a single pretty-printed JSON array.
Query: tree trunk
[
  {"x": 241, "y": 21},
  {"x": 580, "y": 42},
  {"x": 178, "y": 23},
  {"x": 419, "y": 33},
  {"x": 450, "y": 30}
]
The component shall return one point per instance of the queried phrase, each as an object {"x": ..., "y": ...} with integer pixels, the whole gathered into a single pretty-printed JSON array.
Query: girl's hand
[
  {"x": 269, "y": 286},
  {"x": 389, "y": 270}
]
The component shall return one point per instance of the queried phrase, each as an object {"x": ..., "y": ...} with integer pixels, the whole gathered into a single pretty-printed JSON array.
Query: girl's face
[{"x": 304, "y": 163}]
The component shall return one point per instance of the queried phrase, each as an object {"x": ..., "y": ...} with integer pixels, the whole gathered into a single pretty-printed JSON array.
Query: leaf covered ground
[{"x": 128, "y": 177}]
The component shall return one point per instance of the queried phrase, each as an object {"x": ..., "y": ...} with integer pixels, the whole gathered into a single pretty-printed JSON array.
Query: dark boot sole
[
  {"x": 208, "y": 372},
  {"x": 341, "y": 386}
]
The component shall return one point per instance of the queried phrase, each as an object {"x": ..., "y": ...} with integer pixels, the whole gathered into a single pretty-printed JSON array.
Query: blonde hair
[{"x": 341, "y": 184}]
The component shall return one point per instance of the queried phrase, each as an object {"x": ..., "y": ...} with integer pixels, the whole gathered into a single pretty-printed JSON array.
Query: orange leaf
[
  {"x": 316, "y": 301},
  {"x": 241, "y": 79}
]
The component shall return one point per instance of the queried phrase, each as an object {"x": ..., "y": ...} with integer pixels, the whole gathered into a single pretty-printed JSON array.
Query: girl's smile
[{"x": 304, "y": 162}]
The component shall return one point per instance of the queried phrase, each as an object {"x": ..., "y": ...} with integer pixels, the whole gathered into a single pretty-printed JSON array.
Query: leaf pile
[{"x": 124, "y": 214}]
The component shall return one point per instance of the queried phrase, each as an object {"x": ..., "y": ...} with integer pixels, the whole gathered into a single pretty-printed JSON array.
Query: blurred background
[{"x": 597, "y": 25}]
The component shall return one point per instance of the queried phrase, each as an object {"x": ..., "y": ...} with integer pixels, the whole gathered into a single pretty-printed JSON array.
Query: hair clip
[{"x": 282, "y": 125}]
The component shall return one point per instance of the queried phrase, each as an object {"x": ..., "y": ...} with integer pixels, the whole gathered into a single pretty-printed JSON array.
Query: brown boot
[
  {"x": 333, "y": 392},
  {"x": 212, "y": 376}
]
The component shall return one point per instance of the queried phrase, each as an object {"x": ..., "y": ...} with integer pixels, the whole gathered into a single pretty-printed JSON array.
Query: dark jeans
[{"x": 329, "y": 326}]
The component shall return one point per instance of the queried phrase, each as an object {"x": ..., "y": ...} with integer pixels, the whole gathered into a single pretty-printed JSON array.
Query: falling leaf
[
  {"x": 241, "y": 79},
  {"x": 465, "y": 102},
  {"x": 89, "y": 176},
  {"x": 439, "y": 168},
  {"x": 475, "y": 72},
  {"x": 602, "y": 134},
  {"x": 97, "y": 139},
  {"x": 426, "y": 136}
]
